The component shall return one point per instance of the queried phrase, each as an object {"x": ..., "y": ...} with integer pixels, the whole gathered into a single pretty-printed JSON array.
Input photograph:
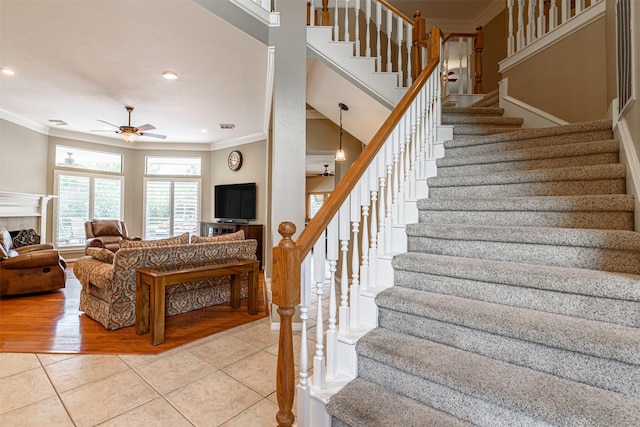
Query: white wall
[{"x": 23, "y": 159}]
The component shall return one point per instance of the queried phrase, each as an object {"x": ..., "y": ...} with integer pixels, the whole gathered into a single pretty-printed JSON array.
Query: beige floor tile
[
  {"x": 134, "y": 360},
  {"x": 48, "y": 412},
  {"x": 76, "y": 371},
  {"x": 257, "y": 371},
  {"x": 262, "y": 414},
  {"x": 14, "y": 363},
  {"x": 259, "y": 335},
  {"x": 157, "y": 413},
  {"x": 48, "y": 359},
  {"x": 174, "y": 370},
  {"x": 213, "y": 400},
  {"x": 224, "y": 350},
  {"x": 24, "y": 389},
  {"x": 102, "y": 400}
]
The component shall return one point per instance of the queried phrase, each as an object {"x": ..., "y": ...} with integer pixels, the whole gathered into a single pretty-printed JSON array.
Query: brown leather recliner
[
  {"x": 29, "y": 269},
  {"x": 106, "y": 233}
]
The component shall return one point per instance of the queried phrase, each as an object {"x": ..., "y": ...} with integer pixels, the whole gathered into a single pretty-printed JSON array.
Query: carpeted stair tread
[
  {"x": 486, "y": 111},
  {"x": 609, "y": 250},
  {"x": 532, "y": 393},
  {"x": 595, "y": 179},
  {"x": 579, "y": 281},
  {"x": 549, "y": 289},
  {"x": 598, "y": 339},
  {"x": 490, "y": 98},
  {"x": 480, "y": 129},
  {"x": 598, "y": 202},
  {"x": 585, "y": 153},
  {"x": 481, "y": 119},
  {"x": 530, "y": 137},
  {"x": 611, "y": 211},
  {"x": 367, "y": 404}
]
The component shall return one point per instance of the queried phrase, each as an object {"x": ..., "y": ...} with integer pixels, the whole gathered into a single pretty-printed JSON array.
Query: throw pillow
[
  {"x": 182, "y": 239},
  {"x": 26, "y": 238},
  {"x": 101, "y": 254},
  {"x": 5, "y": 240},
  {"x": 230, "y": 237},
  {"x": 3, "y": 253}
]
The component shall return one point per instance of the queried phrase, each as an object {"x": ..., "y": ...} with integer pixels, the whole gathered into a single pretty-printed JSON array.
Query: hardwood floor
[{"x": 52, "y": 323}]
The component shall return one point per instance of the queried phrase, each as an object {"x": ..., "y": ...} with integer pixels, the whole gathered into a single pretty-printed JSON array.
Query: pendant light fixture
[{"x": 340, "y": 156}]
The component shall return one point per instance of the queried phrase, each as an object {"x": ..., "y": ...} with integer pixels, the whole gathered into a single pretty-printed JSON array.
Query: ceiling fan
[
  {"x": 326, "y": 172},
  {"x": 130, "y": 133}
]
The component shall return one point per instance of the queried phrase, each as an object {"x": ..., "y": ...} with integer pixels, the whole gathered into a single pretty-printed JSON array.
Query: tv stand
[{"x": 251, "y": 231}]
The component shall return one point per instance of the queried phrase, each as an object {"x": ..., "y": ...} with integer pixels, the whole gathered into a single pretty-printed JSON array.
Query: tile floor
[{"x": 227, "y": 379}]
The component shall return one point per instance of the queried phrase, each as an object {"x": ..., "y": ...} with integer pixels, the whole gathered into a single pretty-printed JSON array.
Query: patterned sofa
[{"x": 109, "y": 280}]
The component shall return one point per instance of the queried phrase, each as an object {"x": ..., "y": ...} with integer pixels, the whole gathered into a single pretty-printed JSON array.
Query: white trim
[
  {"x": 533, "y": 117},
  {"x": 593, "y": 13},
  {"x": 271, "y": 19},
  {"x": 268, "y": 97},
  {"x": 25, "y": 123},
  {"x": 256, "y": 137},
  {"x": 629, "y": 157}
]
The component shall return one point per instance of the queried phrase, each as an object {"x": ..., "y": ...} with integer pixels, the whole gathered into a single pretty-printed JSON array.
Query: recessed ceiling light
[
  {"x": 7, "y": 71},
  {"x": 169, "y": 75}
]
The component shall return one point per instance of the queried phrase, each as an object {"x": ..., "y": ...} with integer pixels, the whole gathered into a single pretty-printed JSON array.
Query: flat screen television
[{"x": 235, "y": 202}]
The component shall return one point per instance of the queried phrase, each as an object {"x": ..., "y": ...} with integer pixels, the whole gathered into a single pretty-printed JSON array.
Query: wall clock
[{"x": 235, "y": 160}]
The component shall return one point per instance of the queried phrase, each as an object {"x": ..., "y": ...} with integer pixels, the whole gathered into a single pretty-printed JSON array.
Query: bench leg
[
  {"x": 157, "y": 313},
  {"x": 142, "y": 305}
]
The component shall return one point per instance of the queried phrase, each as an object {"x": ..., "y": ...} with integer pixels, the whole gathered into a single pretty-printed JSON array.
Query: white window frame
[
  {"x": 173, "y": 180},
  {"x": 92, "y": 177}
]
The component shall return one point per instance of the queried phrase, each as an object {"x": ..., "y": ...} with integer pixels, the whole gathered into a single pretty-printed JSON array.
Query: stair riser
[
  {"x": 494, "y": 147},
  {"x": 523, "y": 165},
  {"x": 621, "y": 312},
  {"x": 468, "y": 129},
  {"x": 461, "y": 405},
  {"x": 554, "y": 188},
  {"x": 561, "y": 256},
  {"x": 594, "y": 220},
  {"x": 604, "y": 373}
]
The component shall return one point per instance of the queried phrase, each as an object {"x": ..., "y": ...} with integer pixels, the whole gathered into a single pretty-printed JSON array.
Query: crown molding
[{"x": 25, "y": 123}]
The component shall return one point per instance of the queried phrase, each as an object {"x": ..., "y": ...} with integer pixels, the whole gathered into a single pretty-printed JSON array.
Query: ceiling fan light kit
[{"x": 131, "y": 133}]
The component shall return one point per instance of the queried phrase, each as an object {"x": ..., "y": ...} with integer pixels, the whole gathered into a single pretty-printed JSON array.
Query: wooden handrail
[
  {"x": 289, "y": 254},
  {"x": 396, "y": 11}
]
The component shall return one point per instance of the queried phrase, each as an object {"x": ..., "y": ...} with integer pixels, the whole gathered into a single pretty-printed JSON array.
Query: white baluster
[
  {"x": 373, "y": 225},
  {"x": 389, "y": 36},
  {"x": 364, "y": 202},
  {"x": 354, "y": 288},
  {"x": 303, "y": 385},
  {"x": 401, "y": 171},
  {"x": 336, "y": 29},
  {"x": 381, "y": 203},
  {"x": 347, "y": 37},
  {"x": 379, "y": 36},
  {"x": 395, "y": 142},
  {"x": 332, "y": 333},
  {"x": 460, "y": 56},
  {"x": 510, "y": 40},
  {"x": 367, "y": 17},
  {"x": 357, "y": 29},
  {"x": 319, "y": 277},
  {"x": 520, "y": 33},
  {"x": 565, "y": 10},
  {"x": 344, "y": 235},
  {"x": 389, "y": 200},
  {"x": 400, "y": 40},
  {"x": 531, "y": 36},
  {"x": 445, "y": 60},
  {"x": 542, "y": 30},
  {"x": 469, "y": 66},
  {"x": 409, "y": 30},
  {"x": 553, "y": 16}
]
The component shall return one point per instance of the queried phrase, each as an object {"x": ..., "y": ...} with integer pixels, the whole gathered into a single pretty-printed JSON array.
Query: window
[
  {"x": 177, "y": 166},
  {"x": 315, "y": 202},
  {"x": 70, "y": 157},
  {"x": 81, "y": 197},
  {"x": 172, "y": 207}
]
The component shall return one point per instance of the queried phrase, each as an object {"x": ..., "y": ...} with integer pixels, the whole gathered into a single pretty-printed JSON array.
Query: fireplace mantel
[{"x": 26, "y": 205}]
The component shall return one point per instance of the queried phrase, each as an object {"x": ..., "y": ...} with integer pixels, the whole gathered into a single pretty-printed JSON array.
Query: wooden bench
[{"x": 151, "y": 283}]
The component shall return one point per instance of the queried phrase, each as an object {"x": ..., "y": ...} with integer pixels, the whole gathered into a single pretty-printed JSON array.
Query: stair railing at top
[
  {"x": 462, "y": 52},
  {"x": 533, "y": 19},
  {"x": 359, "y": 214},
  {"x": 391, "y": 37}
]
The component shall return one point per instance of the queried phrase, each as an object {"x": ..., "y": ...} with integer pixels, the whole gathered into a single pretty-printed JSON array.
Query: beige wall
[
  {"x": 573, "y": 70},
  {"x": 495, "y": 50},
  {"x": 254, "y": 169},
  {"x": 23, "y": 159}
]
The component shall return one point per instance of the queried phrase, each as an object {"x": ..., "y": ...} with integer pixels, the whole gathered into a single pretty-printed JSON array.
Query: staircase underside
[{"x": 518, "y": 301}]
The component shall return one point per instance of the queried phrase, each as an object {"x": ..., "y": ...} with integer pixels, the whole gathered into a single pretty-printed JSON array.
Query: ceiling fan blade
[
  {"x": 110, "y": 124},
  {"x": 146, "y": 127},
  {"x": 153, "y": 135}
]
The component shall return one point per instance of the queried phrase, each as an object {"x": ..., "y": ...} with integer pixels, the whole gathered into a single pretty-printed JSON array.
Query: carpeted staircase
[{"x": 518, "y": 302}]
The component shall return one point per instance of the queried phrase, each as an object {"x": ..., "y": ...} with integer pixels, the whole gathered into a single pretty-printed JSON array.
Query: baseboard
[{"x": 629, "y": 157}]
